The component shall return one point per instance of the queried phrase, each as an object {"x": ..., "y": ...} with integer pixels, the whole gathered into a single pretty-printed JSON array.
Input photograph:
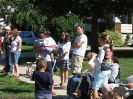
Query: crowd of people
[{"x": 101, "y": 73}]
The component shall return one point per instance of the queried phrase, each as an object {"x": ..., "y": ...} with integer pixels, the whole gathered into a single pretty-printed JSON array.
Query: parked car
[{"x": 28, "y": 37}]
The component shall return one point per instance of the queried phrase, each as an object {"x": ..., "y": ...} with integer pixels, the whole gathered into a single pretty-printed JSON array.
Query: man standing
[{"x": 79, "y": 49}]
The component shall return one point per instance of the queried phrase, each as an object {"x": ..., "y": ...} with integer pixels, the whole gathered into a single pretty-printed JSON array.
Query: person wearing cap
[
  {"x": 8, "y": 66},
  {"x": 79, "y": 49},
  {"x": 44, "y": 53}
]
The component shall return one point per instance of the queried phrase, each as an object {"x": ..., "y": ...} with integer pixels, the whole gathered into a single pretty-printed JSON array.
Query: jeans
[
  {"x": 9, "y": 65},
  {"x": 72, "y": 85},
  {"x": 43, "y": 96},
  {"x": 15, "y": 57}
]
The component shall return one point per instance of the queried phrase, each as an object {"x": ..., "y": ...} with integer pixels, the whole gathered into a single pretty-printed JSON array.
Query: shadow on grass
[
  {"x": 25, "y": 75},
  {"x": 15, "y": 91}
]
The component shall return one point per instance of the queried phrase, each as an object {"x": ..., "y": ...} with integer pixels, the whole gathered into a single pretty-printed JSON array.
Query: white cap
[{"x": 7, "y": 28}]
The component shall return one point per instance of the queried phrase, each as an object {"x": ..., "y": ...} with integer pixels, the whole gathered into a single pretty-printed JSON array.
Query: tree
[
  {"x": 98, "y": 9},
  {"x": 25, "y": 14},
  {"x": 85, "y": 8}
]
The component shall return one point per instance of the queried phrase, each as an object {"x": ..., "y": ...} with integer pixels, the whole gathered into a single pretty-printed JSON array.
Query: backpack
[{"x": 1, "y": 43}]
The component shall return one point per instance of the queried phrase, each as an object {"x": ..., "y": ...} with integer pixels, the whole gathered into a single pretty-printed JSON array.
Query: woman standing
[
  {"x": 63, "y": 48},
  {"x": 37, "y": 47},
  {"x": 16, "y": 50},
  {"x": 8, "y": 67}
]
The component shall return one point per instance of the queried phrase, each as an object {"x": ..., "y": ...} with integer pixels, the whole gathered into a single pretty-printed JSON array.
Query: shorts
[
  {"x": 15, "y": 57},
  {"x": 111, "y": 88},
  {"x": 49, "y": 67},
  {"x": 63, "y": 64},
  {"x": 76, "y": 64},
  {"x": 125, "y": 92},
  {"x": 101, "y": 79},
  {"x": 43, "y": 96}
]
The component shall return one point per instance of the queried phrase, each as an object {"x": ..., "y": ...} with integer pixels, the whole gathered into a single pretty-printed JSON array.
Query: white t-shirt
[
  {"x": 65, "y": 48},
  {"x": 48, "y": 42},
  {"x": 14, "y": 44},
  {"x": 81, "y": 50}
]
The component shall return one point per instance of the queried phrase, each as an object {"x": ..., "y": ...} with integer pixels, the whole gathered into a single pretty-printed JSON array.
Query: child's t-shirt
[
  {"x": 107, "y": 61},
  {"x": 49, "y": 43},
  {"x": 43, "y": 81}
]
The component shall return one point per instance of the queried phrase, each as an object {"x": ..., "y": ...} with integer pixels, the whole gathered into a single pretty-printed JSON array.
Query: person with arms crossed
[{"x": 79, "y": 49}]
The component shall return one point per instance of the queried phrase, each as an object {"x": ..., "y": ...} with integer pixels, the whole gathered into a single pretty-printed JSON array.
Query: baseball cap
[
  {"x": 78, "y": 24},
  {"x": 7, "y": 28},
  {"x": 42, "y": 30}
]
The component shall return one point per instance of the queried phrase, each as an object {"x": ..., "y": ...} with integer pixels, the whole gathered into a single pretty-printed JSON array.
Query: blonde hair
[
  {"x": 107, "y": 39},
  {"x": 15, "y": 32},
  {"x": 89, "y": 55}
]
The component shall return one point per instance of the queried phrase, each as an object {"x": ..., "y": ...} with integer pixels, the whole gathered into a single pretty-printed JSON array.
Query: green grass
[
  {"x": 27, "y": 48},
  {"x": 126, "y": 68},
  {"x": 22, "y": 61},
  {"x": 13, "y": 88}
]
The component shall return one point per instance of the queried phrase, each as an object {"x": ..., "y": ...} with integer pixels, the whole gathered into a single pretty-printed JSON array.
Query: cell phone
[{"x": 122, "y": 84}]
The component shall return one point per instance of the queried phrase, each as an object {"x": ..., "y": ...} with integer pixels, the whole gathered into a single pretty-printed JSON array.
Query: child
[
  {"x": 102, "y": 65},
  {"x": 43, "y": 80},
  {"x": 49, "y": 44}
]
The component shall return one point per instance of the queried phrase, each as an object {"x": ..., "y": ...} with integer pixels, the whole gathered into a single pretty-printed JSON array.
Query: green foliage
[
  {"x": 115, "y": 36},
  {"x": 66, "y": 23},
  {"x": 126, "y": 40}
]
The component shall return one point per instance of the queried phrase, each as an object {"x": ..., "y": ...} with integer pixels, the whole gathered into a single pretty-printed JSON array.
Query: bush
[
  {"x": 115, "y": 36},
  {"x": 126, "y": 40},
  {"x": 65, "y": 23}
]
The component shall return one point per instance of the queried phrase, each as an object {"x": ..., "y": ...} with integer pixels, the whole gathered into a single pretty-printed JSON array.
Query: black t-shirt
[{"x": 43, "y": 81}]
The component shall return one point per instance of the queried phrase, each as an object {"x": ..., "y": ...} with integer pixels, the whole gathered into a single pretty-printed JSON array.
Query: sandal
[
  {"x": 53, "y": 94},
  {"x": 63, "y": 86}
]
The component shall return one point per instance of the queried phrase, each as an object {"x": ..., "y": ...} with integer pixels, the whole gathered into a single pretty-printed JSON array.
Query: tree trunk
[{"x": 94, "y": 34}]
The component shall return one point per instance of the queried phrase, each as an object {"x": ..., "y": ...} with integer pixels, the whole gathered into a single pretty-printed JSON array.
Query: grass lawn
[
  {"x": 27, "y": 48},
  {"x": 126, "y": 67},
  {"x": 13, "y": 88}
]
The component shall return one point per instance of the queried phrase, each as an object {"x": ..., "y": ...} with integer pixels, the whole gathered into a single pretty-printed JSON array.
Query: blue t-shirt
[{"x": 43, "y": 81}]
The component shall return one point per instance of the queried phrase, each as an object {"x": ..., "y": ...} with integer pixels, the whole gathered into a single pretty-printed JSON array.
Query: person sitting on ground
[
  {"x": 84, "y": 86},
  {"x": 73, "y": 82},
  {"x": 116, "y": 91},
  {"x": 43, "y": 80}
]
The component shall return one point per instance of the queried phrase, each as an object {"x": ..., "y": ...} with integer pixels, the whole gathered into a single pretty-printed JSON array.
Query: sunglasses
[
  {"x": 62, "y": 34},
  {"x": 8, "y": 32}
]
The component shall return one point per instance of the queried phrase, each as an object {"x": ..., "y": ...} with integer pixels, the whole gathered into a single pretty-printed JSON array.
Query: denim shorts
[
  {"x": 43, "y": 96},
  {"x": 101, "y": 79},
  {"x": 15, "y": 57}
]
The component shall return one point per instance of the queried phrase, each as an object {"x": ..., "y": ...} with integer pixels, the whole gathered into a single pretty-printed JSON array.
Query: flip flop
[
  {"x": 16, "y": 76},
  {"x": 63, "y": 86}
]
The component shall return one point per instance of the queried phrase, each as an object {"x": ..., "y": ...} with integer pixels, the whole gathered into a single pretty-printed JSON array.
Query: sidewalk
[{"x": 22, "y": 69}]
